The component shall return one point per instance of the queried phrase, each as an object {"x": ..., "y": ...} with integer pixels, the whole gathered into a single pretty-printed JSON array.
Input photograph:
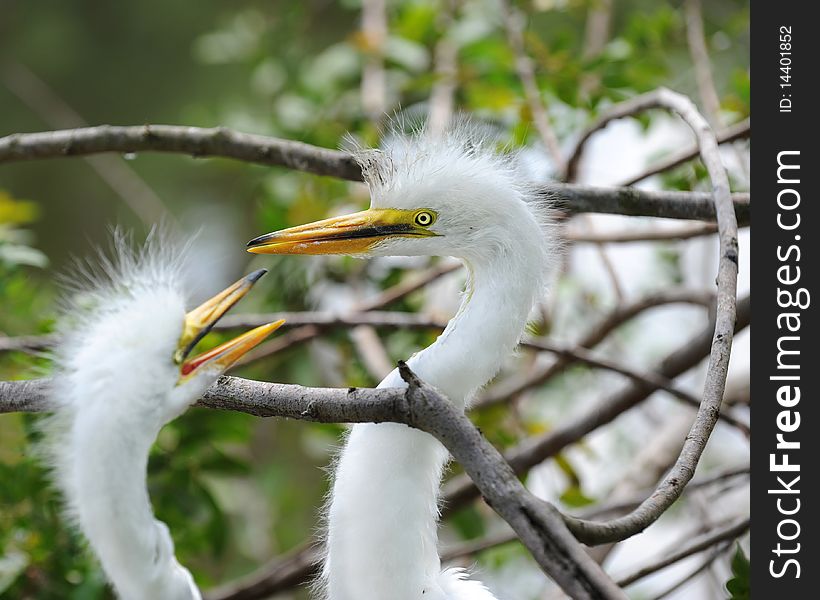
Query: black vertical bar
[{"x": 785, "y": 262}]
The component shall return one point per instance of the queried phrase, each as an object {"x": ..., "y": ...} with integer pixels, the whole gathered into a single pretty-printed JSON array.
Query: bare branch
[
  {"x": 700, "y": 59},
  {"x": 646, "y": 378},
  {"x": 388, "y": 296},
  {"x": 672, "y": 486},
  {"x": 699, "y": 544},
  {"x": 627, "y": 236},
  {"x": 650, "y": 100},
  {"x": 629, "y": 201},
  {"x": 539, "y": 525},
  {"x": 514, "y": 26},
  {"x": 278, "y": 575},
  {"x": 738, "y": 131},
  {"x": 705, "y": 563},
  {"x": 195, "y": 141},
  {"x": 460, "y": 490},
  {"x": 472, "y": 547},
  {"x": 374, "y": 37},
  {"x": 445, "y": 70},
  {"x": 265, "y": 150},
  {"x": 619, "y": 315}
]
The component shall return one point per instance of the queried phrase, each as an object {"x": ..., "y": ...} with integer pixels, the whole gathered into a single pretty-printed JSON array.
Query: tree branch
[
  {"x": 646, "y": 378},
  {"x": 738, "y": 131},
  {"x": 699, "y": 544},
  {"x": 539, "y": 525},
  {"x": 460, "y": 490},
  {"x": 514, "y": 26},
  {"x": 672, "y": 486},
  {"x": 195, "y": 141},
  {"x": 225, "y": 143},
  {"x": 700, "y": 59},
  {"x": 617, "y": 317},
  {"x": 388, "y": 296}
]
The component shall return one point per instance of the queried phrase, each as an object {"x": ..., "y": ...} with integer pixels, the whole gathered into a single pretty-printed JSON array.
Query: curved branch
[
  {"x": 673, "y": 484},
  {"x": 225, "y": 143}
]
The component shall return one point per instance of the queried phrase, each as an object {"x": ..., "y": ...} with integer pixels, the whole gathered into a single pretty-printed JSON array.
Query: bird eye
[{"x": 424, "y": 218}]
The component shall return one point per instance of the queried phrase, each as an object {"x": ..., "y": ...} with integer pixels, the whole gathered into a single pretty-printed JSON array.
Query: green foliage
[
  {"x": 235, "y": 490},
  {"x": 739, "y": 585}
]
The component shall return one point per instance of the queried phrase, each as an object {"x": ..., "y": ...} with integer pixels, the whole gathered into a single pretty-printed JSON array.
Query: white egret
[
  {"x": 453, "y": 196},
  {"x": 122, "y": 373}
]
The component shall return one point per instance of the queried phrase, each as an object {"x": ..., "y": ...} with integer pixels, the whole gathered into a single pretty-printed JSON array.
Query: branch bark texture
[{"x": 259, "y": 149}]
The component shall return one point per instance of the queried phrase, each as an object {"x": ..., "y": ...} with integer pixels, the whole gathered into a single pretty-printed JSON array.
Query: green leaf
[
  {"x": 738, "y": 586},
  {"x": 574, "y": 497}
]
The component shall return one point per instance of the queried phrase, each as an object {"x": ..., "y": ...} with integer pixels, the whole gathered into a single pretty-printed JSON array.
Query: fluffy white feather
[
  {"x": 115, "y": 387},
  {"x": 383, "y": 511}
]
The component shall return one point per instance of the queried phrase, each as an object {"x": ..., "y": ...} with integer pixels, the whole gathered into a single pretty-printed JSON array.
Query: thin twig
[
  {"x": 699, "y": 544},
  {"x": 445, "y": 70},
  {"x": 628, "y": 236},
  {"x": 710, "y": 558},
  {"x": 738, "y": 131},
  {"x": 385, "y": 298},
  {"x": 460, "y": 490},
  {"x": 647, "y": 378},
  {"x": 279, "y": 575},
  {"x": 374, "y": 37},
  {"x": 514, "y": 26},
  {"x": 617, "y": 317}
]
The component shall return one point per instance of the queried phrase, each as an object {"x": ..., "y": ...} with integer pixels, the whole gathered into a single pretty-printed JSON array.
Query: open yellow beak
[
  {"x": 201, "y": 320},
  {"x": 352, "y": 234},
  {"x": 224, "y": 355}
]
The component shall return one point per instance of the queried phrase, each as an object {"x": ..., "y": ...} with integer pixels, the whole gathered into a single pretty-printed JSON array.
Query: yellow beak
[
  {"x": 354, "y": 234},
  {"x": 201, "y": 320},
  {"x": 224, "y": 355}
]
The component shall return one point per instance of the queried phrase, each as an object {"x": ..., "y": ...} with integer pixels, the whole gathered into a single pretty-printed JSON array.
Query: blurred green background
[{"x": 236, "y": 490}]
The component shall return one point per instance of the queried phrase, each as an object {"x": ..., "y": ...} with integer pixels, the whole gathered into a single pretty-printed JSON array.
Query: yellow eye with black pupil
[{"x": 423, "y": 218}]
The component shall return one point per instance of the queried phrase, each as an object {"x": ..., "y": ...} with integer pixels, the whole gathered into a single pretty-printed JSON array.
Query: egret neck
[{"x": 384, "y": 513}]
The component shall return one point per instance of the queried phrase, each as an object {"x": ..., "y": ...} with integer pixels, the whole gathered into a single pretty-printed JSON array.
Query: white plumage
[
  {"x": 120, "y": 377},
  {"x": 383, "y": 511}
]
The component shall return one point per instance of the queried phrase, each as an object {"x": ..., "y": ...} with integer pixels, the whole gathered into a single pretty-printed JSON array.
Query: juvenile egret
[
  {"x": 453, "y": 196},
  {"x": 122, "y": 373}
]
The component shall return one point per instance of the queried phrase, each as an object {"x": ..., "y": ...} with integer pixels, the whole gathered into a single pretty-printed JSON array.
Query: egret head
[
  {"x": 454, "y": 196},
  {"x": 129, "y": 334}
]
